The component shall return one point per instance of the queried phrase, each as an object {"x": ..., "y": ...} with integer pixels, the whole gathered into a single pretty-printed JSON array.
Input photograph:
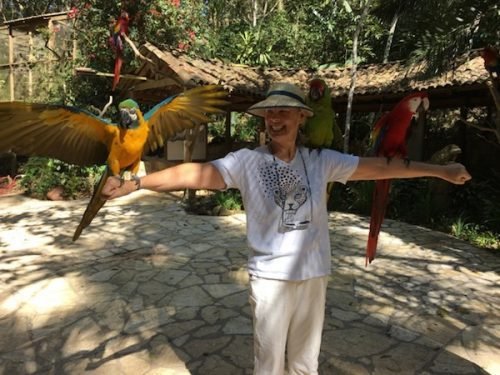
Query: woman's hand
[
  {"x": 116, "y": 187},
  {"x": 455, "y": 173}
]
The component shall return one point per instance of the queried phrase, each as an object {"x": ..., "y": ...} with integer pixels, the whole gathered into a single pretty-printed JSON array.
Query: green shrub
[
  {"x": 229, "y": 199},
  {"x": 40, "y": 175},
  {"x": 475, "y": 234}
]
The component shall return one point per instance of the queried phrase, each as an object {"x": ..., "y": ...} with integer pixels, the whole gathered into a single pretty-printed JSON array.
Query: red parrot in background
[
  {"x": 491, "y": 59},
  {"x": 389, "y": 136},
  {"x": 116, "y": 40}
]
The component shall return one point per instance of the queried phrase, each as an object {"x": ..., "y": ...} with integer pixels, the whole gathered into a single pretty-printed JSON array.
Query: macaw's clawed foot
[
  {"x": 137, "y": 180},
  {"x": 119, "y": 178},
  {"x": 407, "y": 162},
  {"x": 389, "y": 159}
]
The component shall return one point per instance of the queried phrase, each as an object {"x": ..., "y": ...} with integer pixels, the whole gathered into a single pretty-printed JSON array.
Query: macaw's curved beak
[
  {"x": 315, "y": 93},
  {"x": 128, "y": 117},
  {"x": 125, "y": 118},
  {"x": 422, "y": 107},
  {"x": 425, "y": 104}
]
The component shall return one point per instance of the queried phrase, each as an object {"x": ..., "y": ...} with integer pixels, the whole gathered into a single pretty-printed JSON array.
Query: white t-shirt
[{"x": 285, "y": 205}]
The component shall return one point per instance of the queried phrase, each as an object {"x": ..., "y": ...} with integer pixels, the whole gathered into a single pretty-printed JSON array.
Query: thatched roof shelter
[{"x": 378, "y": 87}]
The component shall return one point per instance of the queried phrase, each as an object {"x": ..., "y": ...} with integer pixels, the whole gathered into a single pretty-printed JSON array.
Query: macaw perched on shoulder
[
  {"x": 318, "y": 129},
  {"x": 389, "y": 137},
  {"x": 491, "y": 59},
  {"x": 116, "y": 41},
  {"x": 79, "y": 137},
  {"x": 321, "y": 130}
]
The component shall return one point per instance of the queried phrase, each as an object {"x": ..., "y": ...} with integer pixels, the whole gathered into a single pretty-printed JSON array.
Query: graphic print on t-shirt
[{"x": 286, "y": 188}]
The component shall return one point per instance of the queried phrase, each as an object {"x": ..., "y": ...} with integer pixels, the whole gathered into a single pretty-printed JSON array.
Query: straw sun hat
[{"x": 284, "y": 95}]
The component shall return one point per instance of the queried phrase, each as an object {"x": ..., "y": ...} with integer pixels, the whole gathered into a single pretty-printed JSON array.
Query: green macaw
[
  {"x": 321, "y": 130},
  {"x": 76, "y": 136}
]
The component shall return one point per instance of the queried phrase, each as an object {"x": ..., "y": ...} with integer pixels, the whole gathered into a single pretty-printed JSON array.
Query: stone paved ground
[{"x": 148, "y": 289}]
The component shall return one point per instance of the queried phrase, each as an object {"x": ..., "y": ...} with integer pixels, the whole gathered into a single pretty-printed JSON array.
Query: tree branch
[
  {"x": 110, "y": 101},
  {"x": 136, "y": 51}
]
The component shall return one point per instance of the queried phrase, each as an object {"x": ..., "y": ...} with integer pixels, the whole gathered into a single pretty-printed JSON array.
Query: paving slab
[{"x": 149, "y": 289}]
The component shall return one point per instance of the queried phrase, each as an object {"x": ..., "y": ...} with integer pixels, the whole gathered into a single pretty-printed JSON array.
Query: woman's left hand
[{"x": 455, "y": 173}]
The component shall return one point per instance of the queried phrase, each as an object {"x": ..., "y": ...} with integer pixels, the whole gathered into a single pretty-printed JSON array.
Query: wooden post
[
  {"x": 75, "y": 48},
  {"x": 11, "y": 65},
  {"x": 416, "y": 141},
  {"x": 189, "y": 142},
  {"x": 30, "y": 71}
]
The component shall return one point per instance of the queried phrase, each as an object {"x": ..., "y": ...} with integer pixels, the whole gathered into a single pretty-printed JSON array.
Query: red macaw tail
[
  {"x": 95, "y": 204},
  {"x": 118, "y": 68},
  {"x": 379, "y": 204}
]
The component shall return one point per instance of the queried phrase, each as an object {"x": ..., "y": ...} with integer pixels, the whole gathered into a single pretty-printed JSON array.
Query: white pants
[{"x": 287, "y": 315}]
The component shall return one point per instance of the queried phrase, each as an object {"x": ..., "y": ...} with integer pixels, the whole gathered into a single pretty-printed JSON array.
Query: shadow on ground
[{"x": 149, "y": 289}]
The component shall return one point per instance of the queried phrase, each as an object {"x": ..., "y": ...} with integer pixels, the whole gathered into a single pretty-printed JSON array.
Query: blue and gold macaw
[{"x": 78, "y": 137}]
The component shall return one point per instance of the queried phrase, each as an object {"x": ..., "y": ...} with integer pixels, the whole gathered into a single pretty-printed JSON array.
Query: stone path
[{"x": 148, "y": 289}]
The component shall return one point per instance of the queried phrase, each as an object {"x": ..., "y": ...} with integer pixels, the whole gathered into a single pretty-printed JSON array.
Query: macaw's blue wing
[
  {"x": 62, "y": 132},
  {"x": 378, "y": 133},
  {"x": 183, "y": 111}
]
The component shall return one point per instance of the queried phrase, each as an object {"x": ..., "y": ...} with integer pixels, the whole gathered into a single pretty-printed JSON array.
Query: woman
[{"x": 283, "y": 186}]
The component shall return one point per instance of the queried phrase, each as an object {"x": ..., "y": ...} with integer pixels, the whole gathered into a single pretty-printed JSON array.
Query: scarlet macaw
[
  {"x": 491, "y": 59},
  {"x": 79, "y": 137},
  {"x": 389, "y": 136},
  {"x": 116, "y": 41},
  {"x": 321, "y": 130}
]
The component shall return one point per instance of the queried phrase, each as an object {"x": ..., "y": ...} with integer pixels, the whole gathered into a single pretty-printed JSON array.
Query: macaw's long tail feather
[
  {"x": 118, "y": 68},
  {"x": 379, "y": 204},
  {"x": 95, "y": 204}
]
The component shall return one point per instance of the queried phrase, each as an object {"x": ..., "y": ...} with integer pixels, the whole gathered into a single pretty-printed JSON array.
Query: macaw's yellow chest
[{"x": 127, "y": 146}]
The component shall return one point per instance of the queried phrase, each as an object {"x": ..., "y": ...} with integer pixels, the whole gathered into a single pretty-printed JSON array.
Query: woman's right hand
[{"x": 116, "y": 187}]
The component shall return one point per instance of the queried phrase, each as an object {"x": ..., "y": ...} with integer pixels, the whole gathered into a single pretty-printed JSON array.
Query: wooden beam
[
  {"x": 24, "y": 63},
  {"x": 153, "y": 84},
  {"x": 30, "y": 71},
  {"x": 93, "y": 72}
]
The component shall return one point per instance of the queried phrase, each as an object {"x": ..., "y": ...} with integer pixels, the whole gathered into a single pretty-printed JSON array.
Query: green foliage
[
  {"x": 475, "y": 234},
  {"x": 229, "y": 199},
  {"x": 252, "y": 49},
  {"x": 14, "y": 9},
  {"x": 479, "y": 200},
  {"x": 40, "y": 175},
  {"x": 244, "y": 128},
  {"x": 448, "y": 29}
]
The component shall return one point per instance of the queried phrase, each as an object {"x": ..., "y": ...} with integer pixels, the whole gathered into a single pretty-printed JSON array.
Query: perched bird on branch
[
  {"x": 119, "y": 31},
  {"x": 491, "y": 59}
]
